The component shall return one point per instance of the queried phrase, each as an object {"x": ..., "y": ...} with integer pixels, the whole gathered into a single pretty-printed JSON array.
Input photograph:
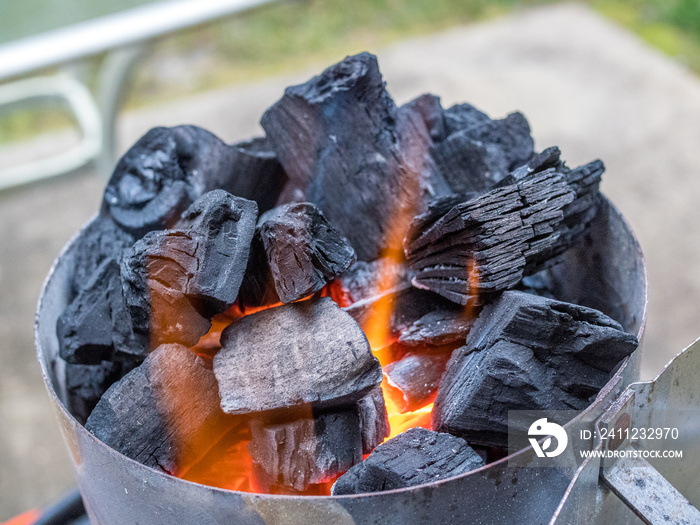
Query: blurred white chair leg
[
  {"x": 96, "y": 119},
  {"x": 111, "y": 88},
  {"x": 61, "y": 88}
]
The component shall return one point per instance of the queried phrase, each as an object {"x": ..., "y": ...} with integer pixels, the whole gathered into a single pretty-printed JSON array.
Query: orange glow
[
  {"x": 229, "y": 465},
  {"x": 29, "y": 517}
]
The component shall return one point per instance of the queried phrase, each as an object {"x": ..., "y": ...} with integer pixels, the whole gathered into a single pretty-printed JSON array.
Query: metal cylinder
[{"x": 606, "y": 271}]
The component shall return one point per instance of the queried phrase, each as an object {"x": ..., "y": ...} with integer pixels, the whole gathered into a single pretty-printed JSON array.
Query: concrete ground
[{"x": 585, "y": 84}]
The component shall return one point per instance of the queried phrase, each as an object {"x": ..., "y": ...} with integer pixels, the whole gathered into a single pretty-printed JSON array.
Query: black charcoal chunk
[
  {"x": 412, "y": 458},
  {"x": 416, "y": 377},
  {"x": 476, "y": 157},
  {"x": 85, "y": 385},
  {"x": 256, "y": 174},
  {"x": 302, "y": 252},
  {"x": 439, "y": 327},
  {"x": 292, "y": 455},
  {"x": 162, "y": 174},
  {"x": 295, "y": 354},
  {"x": 526, "y": 353},
  {"x": 165, "y": 413},
  {"x": 374, "y": 420},
  {"x": 176, "y": 280},
  {"x": 462, "y": 117},
  {"x": 491, "y": 241},
  {"x": 102, "y": 239},
  {"x": 225, "y": 225},
  {"x": 97, "y": 325},
  {"x": 348, "y": 150},
  {"x": 430, "y": 110}
]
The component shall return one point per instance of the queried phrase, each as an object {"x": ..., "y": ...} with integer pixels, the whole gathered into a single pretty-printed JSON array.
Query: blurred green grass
[{"x": 286, "y": 36}]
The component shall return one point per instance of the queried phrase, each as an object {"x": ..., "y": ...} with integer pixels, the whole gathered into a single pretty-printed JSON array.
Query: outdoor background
[{"x": 610, "y": 79}]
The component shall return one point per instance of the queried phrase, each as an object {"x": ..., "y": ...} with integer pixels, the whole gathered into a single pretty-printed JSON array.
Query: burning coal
[{"x": 341, "y": 301}]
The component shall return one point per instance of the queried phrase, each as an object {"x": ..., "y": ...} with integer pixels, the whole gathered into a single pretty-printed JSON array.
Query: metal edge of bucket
[{"x": 118, "y": 490}]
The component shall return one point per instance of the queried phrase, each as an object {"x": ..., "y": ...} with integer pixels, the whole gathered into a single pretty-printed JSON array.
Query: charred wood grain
[
  {"x": 439, "y": 327},
  {"x": 491, "y": 241}
]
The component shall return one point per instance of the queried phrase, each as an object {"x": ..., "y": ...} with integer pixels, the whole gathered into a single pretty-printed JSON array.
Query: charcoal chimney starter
[{"x": 606, "y": 272}]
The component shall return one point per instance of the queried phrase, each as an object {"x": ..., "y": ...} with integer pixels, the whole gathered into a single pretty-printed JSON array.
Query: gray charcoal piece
[
  {"x": 347, "y": 149},
  {"x": 302, "y": 253},
  {"x": 412, "y": 458},
  {"x": 293, "y": 455},
  {"x": 165, "y": 413},
  {"x": 85, "y": 385},
  {"x": 462, "y": 117},
  {"x": 164, "y": 172},
  {"x": 526, "y": 352},
  {"x": 374, "y": 420},
  {"x": 416, "y": 377},
  {"x": 97, "y": 325},
  {"x": 100, "y": 240},
  {"x": 430, "y": 110},
  {"x": 310, "y": 352},
  {"x": 155, "y": 273},
  {"x": 439, "y": 327}
]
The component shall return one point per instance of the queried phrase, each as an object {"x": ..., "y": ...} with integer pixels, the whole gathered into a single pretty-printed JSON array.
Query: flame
[{"x": 229, "y": 465}]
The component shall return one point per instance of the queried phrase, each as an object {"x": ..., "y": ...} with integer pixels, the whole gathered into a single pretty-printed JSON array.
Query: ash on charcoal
[
  {"x": 302, "y": 252},
  {"x": 439, "y": 327},
  {"x": 412, "y": 458},
  {"x": 373, "y": 419},
  {"x": 347, "y": 149},
  {"x": 97, "y": 325},
  {"x": 292, "y": 455},
  {"x": 175, "y": 280},
  {"x": 102, "y": 239},
  {"x": 490, "y": 241},
  {"x": 526, "y": 353},
  {"x": 165, "y": 413},
  {"x": 162, "y": 174},
  {"x": 295, "y": 354},
  {"x": 416, "y": 377},
  {"x": 85, "y": 385}
]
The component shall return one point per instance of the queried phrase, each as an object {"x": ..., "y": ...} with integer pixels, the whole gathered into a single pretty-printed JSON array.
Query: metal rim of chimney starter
[{"x": 380, "y": 507}]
